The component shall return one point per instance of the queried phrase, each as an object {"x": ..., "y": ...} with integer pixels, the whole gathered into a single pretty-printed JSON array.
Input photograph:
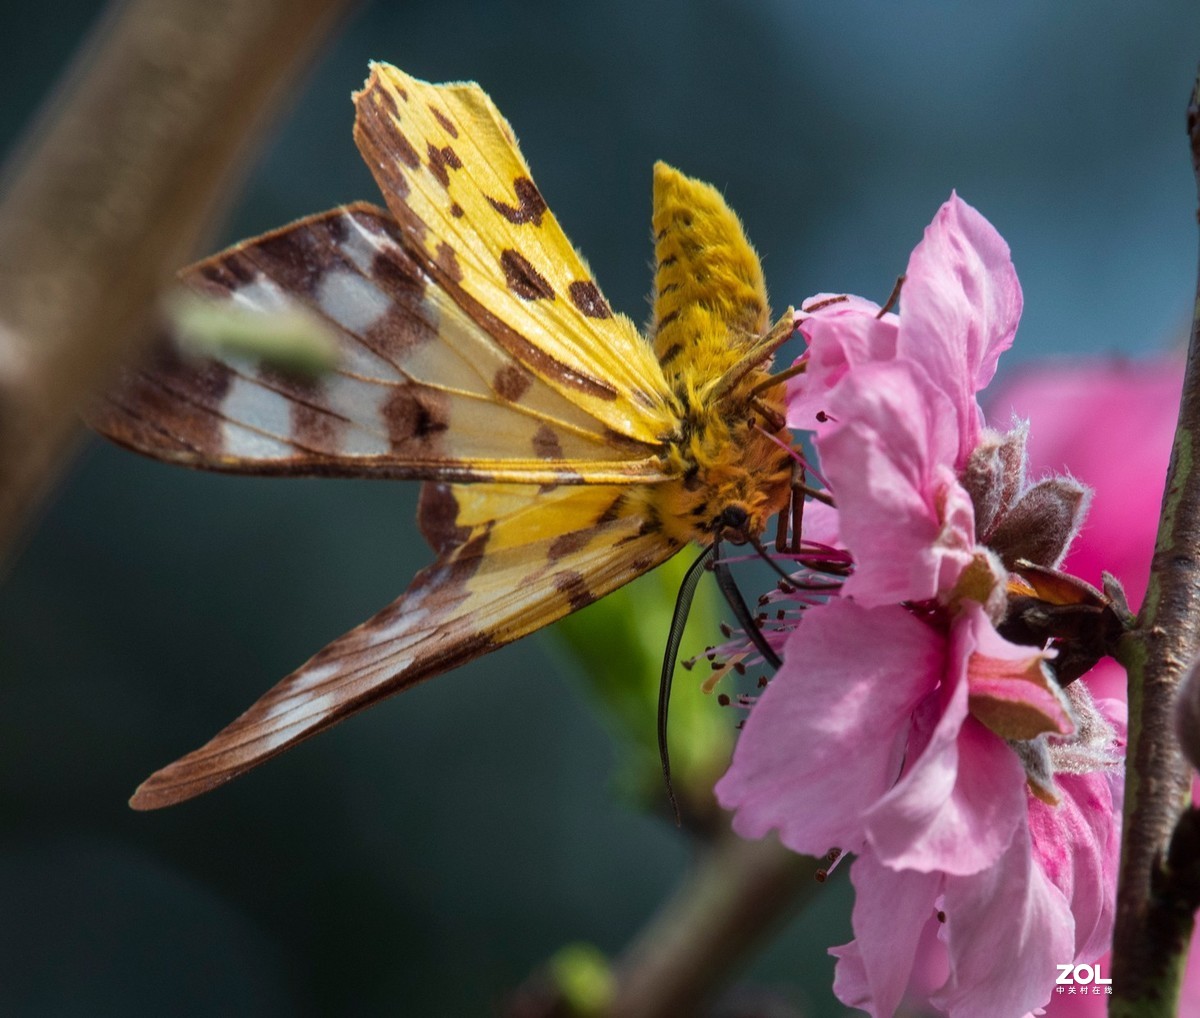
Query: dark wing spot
[
  {"x": 613, "y": 512},
  {"x": 575, "y": 587},
  {"x": 456, "y": 210},
  {"x": 445, "y": 121},
  {"x": 522, "y": 278},
  {"x": 448, "y": 263},
  {"x": 531, "y": 206},
  {"x": 441, "y": 161},
  {"x": 567, "y": 544},
  {"x": 586, "y": 296},
  {"x": 437, "y": 516},
  {"x": 546, "y": 445},
  {"x": 511, "y": 382},
  {"x": 413, "y": 419},
  {"x": 385, "y": 99},
  {"x": 228, "y": 272},
  {"x": 314, "y": 429},
  {"x": 404, "y": 148},
  {"x": 652, "y": 524},
  {"x": 396, "y": 272},
  {"x": 294, "y": 258}
]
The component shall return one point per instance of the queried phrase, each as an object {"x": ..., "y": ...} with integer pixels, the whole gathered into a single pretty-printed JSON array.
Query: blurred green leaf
[
  {"x": 292, "y": 339},
  {"x": 584, "y": 978},
  {"x": 619, "y": 643}
]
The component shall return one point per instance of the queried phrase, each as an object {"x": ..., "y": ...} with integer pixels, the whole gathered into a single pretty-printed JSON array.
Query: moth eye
[
  {"x": 733, "y": 516},
  {"x": 731, "y": 524}
]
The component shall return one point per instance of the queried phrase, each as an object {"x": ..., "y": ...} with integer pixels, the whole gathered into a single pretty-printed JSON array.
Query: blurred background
[{"x": 425, "y": 857}]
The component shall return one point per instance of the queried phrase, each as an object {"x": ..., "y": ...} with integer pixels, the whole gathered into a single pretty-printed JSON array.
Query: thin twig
[
  {"x": 109, "y": 194},
  {"x": 735, "y": 896},
  {"x": 1153, "y": 932}
]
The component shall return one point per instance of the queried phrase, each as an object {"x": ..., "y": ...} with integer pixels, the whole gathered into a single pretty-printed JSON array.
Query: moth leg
[
  {"x": 792, "y": 513},
  {"x": 796, "y": 505}
]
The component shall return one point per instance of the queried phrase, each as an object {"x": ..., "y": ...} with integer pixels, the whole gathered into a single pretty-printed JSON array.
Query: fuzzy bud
[{"x": 1043, "y": 523}]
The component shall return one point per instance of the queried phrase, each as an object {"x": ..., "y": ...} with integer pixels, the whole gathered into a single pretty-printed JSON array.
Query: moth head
[{"x": 733, "y": 524}]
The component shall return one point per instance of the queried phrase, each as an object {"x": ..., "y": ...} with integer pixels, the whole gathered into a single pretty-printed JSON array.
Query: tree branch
[
  {"x": 109, "y": 194},
  {"x": 1153, "y": 932},
  {"x": 736, "y": 895}
]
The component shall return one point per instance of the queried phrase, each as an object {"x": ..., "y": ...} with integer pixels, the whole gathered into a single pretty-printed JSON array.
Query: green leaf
[
  {"x": 584, "y": 979},
  {"x": 292, "y": 339},
  {"x": 619, "y": 643}
]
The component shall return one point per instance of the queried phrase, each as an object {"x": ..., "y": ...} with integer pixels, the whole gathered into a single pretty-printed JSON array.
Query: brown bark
[
  {"x": 1154, "y": 922},
  {"x": 109, "y": 194}
]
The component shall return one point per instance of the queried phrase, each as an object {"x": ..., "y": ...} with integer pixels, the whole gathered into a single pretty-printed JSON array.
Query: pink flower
[
  {"x": 915, "y": 720},
  {"x": 1141, "y": 399}
]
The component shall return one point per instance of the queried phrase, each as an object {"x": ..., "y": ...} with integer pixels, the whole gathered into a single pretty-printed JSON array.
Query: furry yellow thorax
[{"x": 710, "y": 308}]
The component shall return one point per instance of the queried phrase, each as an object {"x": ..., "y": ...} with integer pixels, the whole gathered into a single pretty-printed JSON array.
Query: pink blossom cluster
[{"x": 913, "y": 723}]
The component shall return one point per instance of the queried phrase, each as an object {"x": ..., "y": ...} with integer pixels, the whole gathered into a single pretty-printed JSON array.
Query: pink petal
[
  {"x": 891, "y": 909},
  {"x": 825, "y": 740},
  {"x": 959, "y": 310},
  {"x": 963, "y": 792},
  {"x": 1077, "y": 845},
  {"x": 840, "y": 336},
  {"x": 821, "y": 525},
  {"x": 1007, "y": 928},
  {"x": 887, "y": 455},
  {"x": 1012, "y": 692}
]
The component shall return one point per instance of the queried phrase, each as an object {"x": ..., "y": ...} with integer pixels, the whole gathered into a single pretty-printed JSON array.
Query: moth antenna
[
  {"x": 780, "y": 376},
  {"x": 759, "y": 351},
  {"x": 775, "y": 421},
  {"x": 895, "y": 296},
  {"x": 763, "y": 554},
  {"x": 683, "y": 605},
  {"x": 737, "y": 604}
]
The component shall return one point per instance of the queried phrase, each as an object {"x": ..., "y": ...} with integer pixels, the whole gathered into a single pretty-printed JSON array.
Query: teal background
[{"x": 425, "y": 857}]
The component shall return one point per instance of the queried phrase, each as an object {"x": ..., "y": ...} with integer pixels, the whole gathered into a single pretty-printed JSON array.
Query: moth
[{"x": 563, "y": 452}]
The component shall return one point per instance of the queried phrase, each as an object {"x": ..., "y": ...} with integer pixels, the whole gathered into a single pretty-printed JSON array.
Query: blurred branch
[
  {"x": 110, "y": 193},
  {"x": 737, "y": 894},
  {"x": 1154, "y": 923},
  {"x": 734, "y": 896}
]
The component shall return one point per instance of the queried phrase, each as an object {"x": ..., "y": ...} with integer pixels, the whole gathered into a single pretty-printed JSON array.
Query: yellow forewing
[
  {"x": 528, "y": 561},
  {"x": 449, "y": 166}
]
